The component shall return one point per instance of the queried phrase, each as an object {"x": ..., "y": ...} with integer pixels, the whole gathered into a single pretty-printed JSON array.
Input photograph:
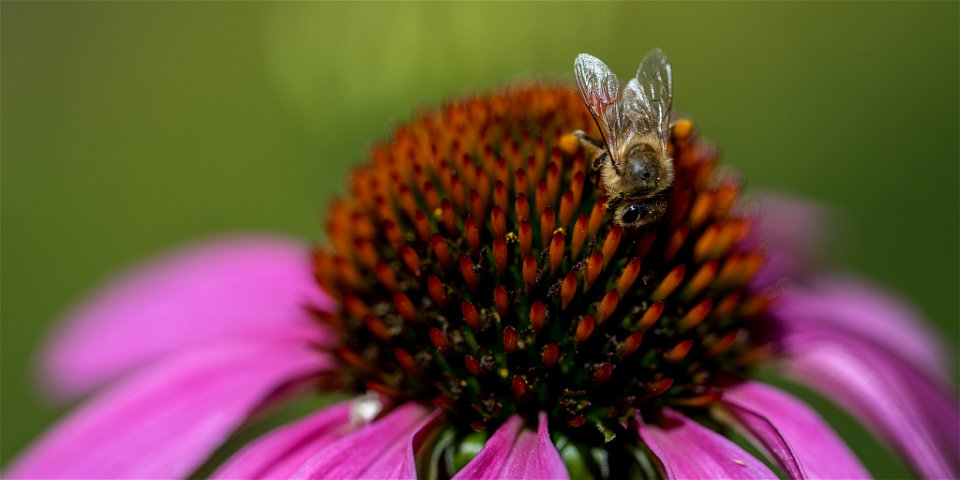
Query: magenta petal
[
  {"x": 281, "y": 452},
  {"x": 687, "y": 450},
  {"x": 792, "y": 231},
  {"x": 512, "y": 453},
  {"x": 844, "y": 305},
  {"x": 492, "y": 457},
  {"x": 402, "y": 463},
  {"x": 791, "y": 432},
  {"x": 229, "y": 288},
  {"x": 535, "y": 456},
  {"x": 381, "y": 449},
  {"x": 906, "y": 409},
  {"x": 165, "y": 421}
]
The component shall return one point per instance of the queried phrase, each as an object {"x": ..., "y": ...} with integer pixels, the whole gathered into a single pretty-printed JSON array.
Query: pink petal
[
  {"x": 687, "y": 450},
  {"x": 382, "y": 449},
  {"x": 165, "y": 421},
  {"x": 403, "y": 463},
  {"x": 844, "y": 305},
  {"x": 512, "y": 453},
  {"x": 793, "y": 233},
  {"x": 905, "y": 408},
  {"x": 535, "y": 456},
  {"x": 281, "y": 452},
  {"x": 791, "y": 432},
  {"x": 494, "y": 454},
  {"x": 229, "y": 288}
]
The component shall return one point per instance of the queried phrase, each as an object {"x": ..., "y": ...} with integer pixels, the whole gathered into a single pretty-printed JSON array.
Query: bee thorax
[{"x": 644, "y": 172}]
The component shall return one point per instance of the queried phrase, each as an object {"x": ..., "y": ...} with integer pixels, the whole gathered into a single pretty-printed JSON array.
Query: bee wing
[
  {"x": 648, "y": 97},
  {"x": 600, "y": 90}
]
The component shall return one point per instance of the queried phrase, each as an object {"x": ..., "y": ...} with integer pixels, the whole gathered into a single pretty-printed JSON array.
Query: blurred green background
[{"x": 130, "y": 128}]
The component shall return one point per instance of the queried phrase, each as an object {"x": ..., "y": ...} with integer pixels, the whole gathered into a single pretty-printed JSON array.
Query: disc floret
[{"x": 476, "y": 268}]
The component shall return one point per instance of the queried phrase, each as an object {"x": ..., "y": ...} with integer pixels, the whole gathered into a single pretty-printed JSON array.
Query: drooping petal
[
  {"x": 229, "y": 288},
  {"x": 915, "y": 416},
  {"x": 793, "y": 232},
  {"x": 513, "y": 453},
  {"x": 791, "y": 432},
  {"x": 163, "y": 422},
  {"x": 402, "y": 464},
  {"x": 281, "y": 452},
  {"x": 535, "y": 456},
  {"x": 382, "y": 449},
  {"x": 687, "y": 450},
  {"x": 494, "y": 454},
  {"x": 840, "y": 304}
]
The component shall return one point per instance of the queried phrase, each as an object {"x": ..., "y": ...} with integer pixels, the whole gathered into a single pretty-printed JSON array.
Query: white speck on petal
[{"x": 364, "y": 409}]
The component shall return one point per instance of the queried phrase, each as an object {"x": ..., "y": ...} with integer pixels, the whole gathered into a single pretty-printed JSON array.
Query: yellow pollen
[
  {"x": 682, "y": 128},
  {"x": 569, "y": 144}
]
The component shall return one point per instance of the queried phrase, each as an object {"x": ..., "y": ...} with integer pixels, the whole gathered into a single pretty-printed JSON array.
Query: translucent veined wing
[
  {"x": 648, "y": 97},
  {"x": 600, "y": 90}
]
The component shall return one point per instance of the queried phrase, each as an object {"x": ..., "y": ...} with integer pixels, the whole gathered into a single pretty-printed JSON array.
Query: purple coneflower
[{"x": 476, "y": 293}]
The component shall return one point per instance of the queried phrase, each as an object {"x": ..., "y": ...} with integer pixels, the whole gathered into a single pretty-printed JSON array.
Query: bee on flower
[
  {"x": 539, "y": 282},
  {"x": 632, "y": 160}
]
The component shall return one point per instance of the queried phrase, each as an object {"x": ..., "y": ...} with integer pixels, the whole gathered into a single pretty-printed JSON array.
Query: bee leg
[
  {"x": 596, "y": 150},
  {"x": 592, "y": 148},
  {"x": 587, "y": 140},
  {"x": 596, "y": 164},
  {"x": 598, "y": 161}
]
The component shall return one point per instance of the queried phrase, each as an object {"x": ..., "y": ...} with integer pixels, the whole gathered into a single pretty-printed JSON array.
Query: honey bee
[{"x": 632, "y": 160}]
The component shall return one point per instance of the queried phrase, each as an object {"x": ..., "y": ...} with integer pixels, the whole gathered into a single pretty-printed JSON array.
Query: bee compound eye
[{"x": 631, "y": 214}]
